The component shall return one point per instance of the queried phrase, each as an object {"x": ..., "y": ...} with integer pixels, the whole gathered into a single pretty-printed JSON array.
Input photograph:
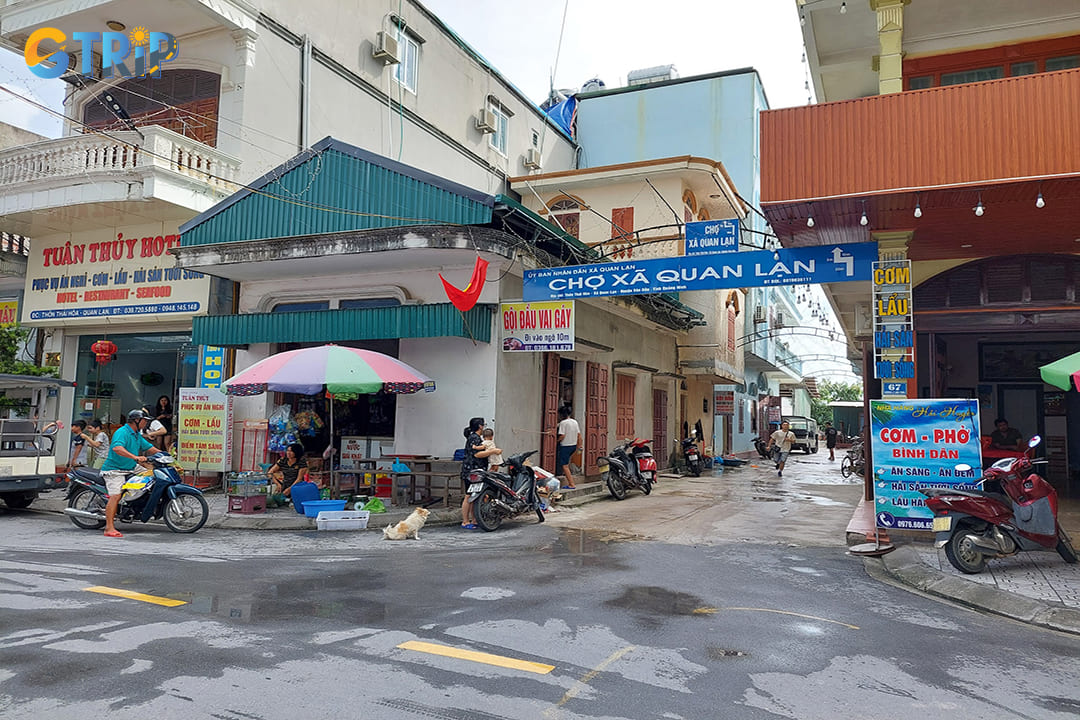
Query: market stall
[{"x": 329, "y": 378}]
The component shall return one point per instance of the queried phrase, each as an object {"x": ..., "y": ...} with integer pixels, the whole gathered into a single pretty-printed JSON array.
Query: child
[{"x": 495, "y": 459}]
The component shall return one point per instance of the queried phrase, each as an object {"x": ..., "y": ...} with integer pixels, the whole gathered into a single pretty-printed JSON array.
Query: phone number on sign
[{"x": 187, "y": 307}]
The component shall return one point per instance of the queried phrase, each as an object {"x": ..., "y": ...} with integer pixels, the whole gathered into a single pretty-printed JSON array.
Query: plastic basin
[{"x": 312, "y": 508}]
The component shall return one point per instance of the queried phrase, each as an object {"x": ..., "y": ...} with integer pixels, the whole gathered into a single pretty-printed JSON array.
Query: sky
[{"x": 609, "y": 38}]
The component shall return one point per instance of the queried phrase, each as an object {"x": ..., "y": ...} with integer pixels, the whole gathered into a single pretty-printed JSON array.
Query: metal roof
[
  {"x": 406, "y": 321},
  {"x": 10, "y": 382},
  {"x": 336, "y": 187}
]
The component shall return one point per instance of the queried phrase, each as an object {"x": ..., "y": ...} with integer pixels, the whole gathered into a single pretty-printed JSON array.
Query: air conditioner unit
[
  {"x": 485, "y": 121},
  {"x": 779, "y": 323},
  {"x": 759, "y": 315},
  {"x": 532, "y": 159},
  {"x": 386, "y": 48}
]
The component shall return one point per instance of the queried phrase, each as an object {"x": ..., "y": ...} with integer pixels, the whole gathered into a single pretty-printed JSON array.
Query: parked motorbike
[
  {"x": 623, "y": 473},
  {"x": 162, "y": 494},
  {"x": 646, "y": 463},
  {"x": 498, "y": 496},
  {"x": 1016, "y": 510},
  {"x": 690, "y": 452}
]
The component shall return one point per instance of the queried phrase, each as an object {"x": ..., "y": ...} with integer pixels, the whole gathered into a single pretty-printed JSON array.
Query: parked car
[
  {"x": 806, "y": 433},
  {"x": 27, "y": 444}
]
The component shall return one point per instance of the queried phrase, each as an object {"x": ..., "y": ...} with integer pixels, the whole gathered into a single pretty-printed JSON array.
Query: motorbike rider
[{"x": 125, "y": 452}]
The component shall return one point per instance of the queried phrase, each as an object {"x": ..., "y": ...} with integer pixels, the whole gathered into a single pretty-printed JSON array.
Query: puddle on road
[
  {"x": 657, "y": 601},
  {"x": 331, "y": 597}
]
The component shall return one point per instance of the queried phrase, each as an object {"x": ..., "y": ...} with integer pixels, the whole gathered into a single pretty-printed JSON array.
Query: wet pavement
[{"x": 810, "y": 506}]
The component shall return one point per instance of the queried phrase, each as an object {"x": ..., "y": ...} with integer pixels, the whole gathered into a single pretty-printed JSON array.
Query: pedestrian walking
[
  {"x": 569, "y": 438},
  {"x": 830, "y": 439},
  {"x": 783, "y": 439}
]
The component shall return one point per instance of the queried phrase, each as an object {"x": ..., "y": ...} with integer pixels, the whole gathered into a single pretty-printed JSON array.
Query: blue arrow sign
[
  {"x": 712, "y": 236},
  {"x": 795, "y": 266}
]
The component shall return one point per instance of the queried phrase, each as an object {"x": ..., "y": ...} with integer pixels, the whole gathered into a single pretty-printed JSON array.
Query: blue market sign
[
  {"x": 796, "y": 266},
  {"x": 712, "y": 236}
]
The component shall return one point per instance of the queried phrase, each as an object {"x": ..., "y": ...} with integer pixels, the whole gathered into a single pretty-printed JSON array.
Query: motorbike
[
  {"x": 690, "y": 452},
  {"x": 623, "y": 473},
  {"x": 761, "y": 446},
  {"x": 160, "y": 495},
  {"x": 498, "y": 496},
  {"x": 1016, "y": 510},
  {"x": 646, "y": 463}
]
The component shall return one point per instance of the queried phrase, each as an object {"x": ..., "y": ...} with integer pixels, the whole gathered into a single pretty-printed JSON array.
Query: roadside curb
[{"x": 904, "y": 566}]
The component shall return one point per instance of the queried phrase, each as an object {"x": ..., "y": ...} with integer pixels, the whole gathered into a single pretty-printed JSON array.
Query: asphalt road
[{"x": 571, "y": 619}]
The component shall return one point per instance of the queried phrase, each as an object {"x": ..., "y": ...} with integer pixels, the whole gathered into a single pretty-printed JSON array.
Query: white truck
[{"x": 27, "y": 444}]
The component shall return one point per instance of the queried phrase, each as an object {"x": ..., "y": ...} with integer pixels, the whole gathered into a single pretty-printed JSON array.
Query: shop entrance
[{"x": 144, "y": 368}]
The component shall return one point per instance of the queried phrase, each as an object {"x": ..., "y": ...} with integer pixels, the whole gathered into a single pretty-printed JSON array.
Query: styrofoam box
[{"x": 342, "y": 519}]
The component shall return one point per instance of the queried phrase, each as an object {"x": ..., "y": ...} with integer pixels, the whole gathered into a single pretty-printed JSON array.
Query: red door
[
  {"x": 596, "y": 397},
  {"x": 550, "y": 420},
  {"x": 659, "y": 428}
]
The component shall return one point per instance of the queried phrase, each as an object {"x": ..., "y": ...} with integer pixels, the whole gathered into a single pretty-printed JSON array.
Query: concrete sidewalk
[{"x": 1033, "y": 587}]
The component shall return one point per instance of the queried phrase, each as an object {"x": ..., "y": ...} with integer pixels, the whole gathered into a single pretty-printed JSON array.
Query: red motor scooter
[
  {"x": 645, "y": 461},
  {"x": 1017, "y": 510}
]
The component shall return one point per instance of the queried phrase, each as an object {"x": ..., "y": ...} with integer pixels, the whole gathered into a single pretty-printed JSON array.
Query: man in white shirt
[
  {"x": 569, "y": 434},
  {"x": 783, "y": 439}
]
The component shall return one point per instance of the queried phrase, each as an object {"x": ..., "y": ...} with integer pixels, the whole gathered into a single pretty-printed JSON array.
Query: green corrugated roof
[
  {"x": 336, "y": 187},
  {"x": 406, "y": 321}
]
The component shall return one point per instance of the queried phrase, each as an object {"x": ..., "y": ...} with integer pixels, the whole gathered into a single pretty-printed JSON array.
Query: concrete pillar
[{"x": 890, "y": 30}]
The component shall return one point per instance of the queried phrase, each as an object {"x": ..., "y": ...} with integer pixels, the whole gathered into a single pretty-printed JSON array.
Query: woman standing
[
  {"x": 475, "y": 458},
  {"x": 163, "y": 413}
]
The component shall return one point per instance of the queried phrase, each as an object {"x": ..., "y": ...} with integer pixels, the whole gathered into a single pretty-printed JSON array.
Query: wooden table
[{"x": 406, "y": 485}]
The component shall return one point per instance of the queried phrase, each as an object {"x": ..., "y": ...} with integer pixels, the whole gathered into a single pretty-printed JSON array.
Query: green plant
[{"x": 829, "y": 391}]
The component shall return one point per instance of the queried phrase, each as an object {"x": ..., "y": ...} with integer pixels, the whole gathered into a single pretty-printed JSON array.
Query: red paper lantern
[
  {"x": 103, "y": 358},
  {"x": 104, "y": 347}
]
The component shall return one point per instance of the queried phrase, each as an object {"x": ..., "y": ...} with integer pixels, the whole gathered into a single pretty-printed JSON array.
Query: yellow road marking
[
  {"x": 704, "y": 611},
  {"x": 480, "y": 657},
  {"x": 586, "y": 678},
  {"x": 785, "y": 612},
  {"x": 167, "y": 602}
]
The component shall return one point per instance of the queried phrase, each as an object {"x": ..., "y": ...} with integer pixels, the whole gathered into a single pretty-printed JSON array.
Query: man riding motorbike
[{"x": 126, "y": 450}]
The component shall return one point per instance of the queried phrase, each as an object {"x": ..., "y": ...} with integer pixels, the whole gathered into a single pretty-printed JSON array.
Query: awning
[
  {"x": 406, "y": 321},
  {"x": 1063, "y": 373}
]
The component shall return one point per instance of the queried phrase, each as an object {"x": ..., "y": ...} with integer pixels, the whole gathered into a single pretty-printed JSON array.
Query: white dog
[{"x": 409, "y": 527}]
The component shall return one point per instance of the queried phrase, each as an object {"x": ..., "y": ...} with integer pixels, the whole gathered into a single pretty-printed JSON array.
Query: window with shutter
[
  {"x": 184, "y": 101},
  {"x": 1050, "y": 281},
  {"x": 1004, "y": 282},
  {"x": 964, "y": 288}
]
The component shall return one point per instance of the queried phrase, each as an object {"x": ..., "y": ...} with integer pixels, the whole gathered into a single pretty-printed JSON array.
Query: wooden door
[
  {"x": 549, "y": 420},
  {"x": 624, "y": 409},
  {"x": 659, "y": 428},
  {"x": 596, "y": 418}
]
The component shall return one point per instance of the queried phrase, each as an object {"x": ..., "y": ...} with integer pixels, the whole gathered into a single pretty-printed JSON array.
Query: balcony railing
[{"x": 95, "y": 155}]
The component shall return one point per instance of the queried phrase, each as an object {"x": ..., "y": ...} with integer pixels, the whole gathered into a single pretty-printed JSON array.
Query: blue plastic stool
[{"x": 302, "y": 492}]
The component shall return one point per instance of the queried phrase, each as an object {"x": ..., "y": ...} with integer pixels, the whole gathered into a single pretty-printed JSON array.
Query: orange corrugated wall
[{"x": 979, "y": 132}]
